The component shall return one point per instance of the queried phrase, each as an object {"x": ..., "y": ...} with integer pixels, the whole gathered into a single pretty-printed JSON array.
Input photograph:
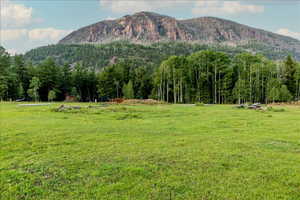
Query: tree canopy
[{"x": 206, "y": 76}]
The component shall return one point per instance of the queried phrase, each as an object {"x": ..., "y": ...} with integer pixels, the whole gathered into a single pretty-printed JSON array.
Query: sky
[{"x": 27, "y": 24}]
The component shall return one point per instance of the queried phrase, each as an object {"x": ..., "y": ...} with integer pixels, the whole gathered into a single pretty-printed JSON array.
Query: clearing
[{"x": 149, "y": 152}]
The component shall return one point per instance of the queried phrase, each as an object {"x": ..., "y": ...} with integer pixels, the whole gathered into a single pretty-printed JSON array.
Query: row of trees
[
  {"x": 205, "y": 76},
  {"x": 214, "y": 77},
  {"x": 46, "y": 81}
]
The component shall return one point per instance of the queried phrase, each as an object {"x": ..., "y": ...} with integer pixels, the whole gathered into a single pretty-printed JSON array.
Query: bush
[
  {"x": 199, "y": 104},
  {"x": 275, "y": 109}
]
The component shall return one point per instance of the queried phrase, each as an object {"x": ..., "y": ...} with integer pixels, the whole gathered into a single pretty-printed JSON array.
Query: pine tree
[
  {"x": 128, "y": 90},
  {"x": 285, "y": 94},
  {"x": 21, "y": 92},
  {"x": 4, "y": 72},
  {"x": 289, "y": 74}
]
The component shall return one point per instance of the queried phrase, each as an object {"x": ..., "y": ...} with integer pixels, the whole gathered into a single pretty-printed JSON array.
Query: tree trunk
[
  {"x": 250, "y": 84},
  {"x": 215, "y": 85},
  {"x": 174, "y": 87},
  {"x": 168, "y": 90}
]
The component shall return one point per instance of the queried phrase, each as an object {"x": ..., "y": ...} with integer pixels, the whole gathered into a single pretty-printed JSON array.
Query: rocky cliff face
[
  {"x": 147, "y": 27},
  {"x": 140, "y": 27}
]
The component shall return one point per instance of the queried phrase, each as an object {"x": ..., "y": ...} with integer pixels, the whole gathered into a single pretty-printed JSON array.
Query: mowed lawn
[{"x": 149, "y": 152}]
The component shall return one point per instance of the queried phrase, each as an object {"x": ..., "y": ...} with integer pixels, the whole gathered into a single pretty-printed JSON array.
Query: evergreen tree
[
  {"x": 4, "y": 72},
  {"x": 297, "y": 77},
  {"x": 128, "y": 91},
  {"x": 289, "y": 78},
  {"x": 21, "y": 92},
  {"x": 285, "y": 94}
]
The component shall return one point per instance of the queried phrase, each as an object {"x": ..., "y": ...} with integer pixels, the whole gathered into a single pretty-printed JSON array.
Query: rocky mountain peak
[{"x": 148, "y": 27}]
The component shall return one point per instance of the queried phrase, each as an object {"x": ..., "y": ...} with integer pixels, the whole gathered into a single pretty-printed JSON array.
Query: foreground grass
[{"x": 149, "y": 152}]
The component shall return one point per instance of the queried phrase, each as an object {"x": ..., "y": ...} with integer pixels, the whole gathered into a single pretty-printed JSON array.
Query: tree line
[{"x": 205, "y": 76}]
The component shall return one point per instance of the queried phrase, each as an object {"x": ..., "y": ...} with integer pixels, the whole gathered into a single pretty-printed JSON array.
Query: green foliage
[
  {"x": 75, "y": 93},
  {"x": 171, "y": 72},
  {"x": 34, "y": 86},
  {"x": 3, "y": 87},
  {"x": 273, "y": 90},
  {"x": 273, "y": 109},
  {"x": 21, "y": 91},
  {"x": 128, "y": 91},
  {"x": 4, "y": 72},
  {"x": 199, "y": 104},
  {"x": 290, "y": 68},
  {"x": 297, "y": 79},
  {"x": 285, "y": 94},
  {"x": 112, "y": 79},
  {"x": 99, "y": 56},
  {"x": 51, "y": 95}
]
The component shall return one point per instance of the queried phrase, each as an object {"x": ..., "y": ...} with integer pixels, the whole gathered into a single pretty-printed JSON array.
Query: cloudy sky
[{"x": 32, "y": 23}]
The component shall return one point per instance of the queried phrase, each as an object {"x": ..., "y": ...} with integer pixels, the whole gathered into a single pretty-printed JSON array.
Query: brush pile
[
  {"x": 64, "y": 108},
  {"x": 255, "y": 106},
  {"x": 142, "y": 101}
]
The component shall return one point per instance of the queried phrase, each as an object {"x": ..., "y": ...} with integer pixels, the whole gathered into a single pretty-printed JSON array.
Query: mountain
[
  {"x": 148, "y": 27},
  {"x": 148, "y": 38}
]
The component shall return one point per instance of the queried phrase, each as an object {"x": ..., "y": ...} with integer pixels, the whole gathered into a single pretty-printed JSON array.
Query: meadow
[{"x": 162, "y": 152}]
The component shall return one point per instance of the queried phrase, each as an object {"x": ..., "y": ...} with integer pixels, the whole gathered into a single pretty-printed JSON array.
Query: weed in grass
[
  {"x": 282, "y": 145},
  {"x": 199, "y": 104},
  {"x": 272, "y": 109},
  {"x": 129, "y": 116}
]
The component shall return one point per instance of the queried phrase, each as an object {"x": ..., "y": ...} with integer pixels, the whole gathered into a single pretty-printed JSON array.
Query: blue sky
[{"x": 31, "y": 23}]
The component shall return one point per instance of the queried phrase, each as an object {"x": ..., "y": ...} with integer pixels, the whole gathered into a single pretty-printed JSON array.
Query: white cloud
[
  {"x": 129, "y": 7},
  {"x": 14, "y": 15},
  {"x": 12, "y": 34},
  {"x": 119, "y": 6},
  {"x": 199, "y": 7},
  {"x": 287, "y": 32},
  {"x": 47, "y": 34},
  {"x": 50, "y": 35},
  {"x": 12, "y": 51},
  {"x": 15, "y": 33},
  {"x": 110, "y": 18},
  {"x": 21, "y": 40},
  {"x": 210, "y": 7}
]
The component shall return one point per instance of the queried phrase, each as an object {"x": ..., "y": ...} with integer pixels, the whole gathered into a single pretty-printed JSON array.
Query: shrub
[
  {"x": 199, "y": 104},
  {"x": 275, "y": 109}
]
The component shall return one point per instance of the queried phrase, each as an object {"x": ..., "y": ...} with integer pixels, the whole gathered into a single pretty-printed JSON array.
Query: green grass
[{"x": 149, "y": 152}]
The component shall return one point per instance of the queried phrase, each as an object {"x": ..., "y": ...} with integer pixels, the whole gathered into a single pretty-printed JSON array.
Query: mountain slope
[
  {"x": 99, "y": 56},
  {"x": 147, "y": 27}
]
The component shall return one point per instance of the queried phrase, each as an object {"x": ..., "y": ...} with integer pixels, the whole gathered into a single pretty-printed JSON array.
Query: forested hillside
[{"x": 98, "y": 56}]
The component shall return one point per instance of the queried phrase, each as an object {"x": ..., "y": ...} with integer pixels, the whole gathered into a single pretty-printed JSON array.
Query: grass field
[{"x": 149, "y": 152}]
